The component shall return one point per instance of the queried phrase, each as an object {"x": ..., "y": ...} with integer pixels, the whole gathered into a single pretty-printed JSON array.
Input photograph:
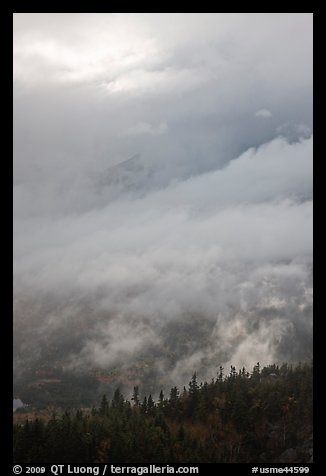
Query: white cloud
[
  {"x": 153, "y": 82},
  {"x": 147, "y": 194},
  {"x": 88, "y": 48},
  {"x": 114, "y": 342},
  {"x": 263, "y": 113}
]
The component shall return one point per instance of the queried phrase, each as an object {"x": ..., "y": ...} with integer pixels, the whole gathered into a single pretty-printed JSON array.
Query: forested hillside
[{"x": 260, "y": 416}]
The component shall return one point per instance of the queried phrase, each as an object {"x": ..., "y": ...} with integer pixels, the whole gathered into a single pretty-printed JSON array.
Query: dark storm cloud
[{"x": 163, "y": 170}]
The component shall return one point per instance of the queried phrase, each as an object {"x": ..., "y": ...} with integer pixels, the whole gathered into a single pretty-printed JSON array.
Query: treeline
[{"x": 259, "y": 416}]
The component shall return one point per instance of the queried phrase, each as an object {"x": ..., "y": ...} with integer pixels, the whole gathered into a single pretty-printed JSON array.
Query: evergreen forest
[{"x": 264, "y": 415}]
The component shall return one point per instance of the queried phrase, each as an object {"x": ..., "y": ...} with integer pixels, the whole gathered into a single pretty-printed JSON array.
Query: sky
[{"x": 162, "y": 177}]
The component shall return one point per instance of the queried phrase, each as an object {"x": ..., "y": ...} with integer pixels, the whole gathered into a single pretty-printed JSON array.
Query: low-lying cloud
[
  {"x": 232, "y": 247},
  {"x": 162, "y": 218}
]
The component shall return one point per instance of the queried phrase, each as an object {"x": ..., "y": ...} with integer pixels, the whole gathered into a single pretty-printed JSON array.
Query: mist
[{"x": 162, "y": 191}]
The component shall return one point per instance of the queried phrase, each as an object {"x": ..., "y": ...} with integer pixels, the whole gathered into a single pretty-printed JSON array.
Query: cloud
[
  {"x": 234, "y": 256},
  {"x": 85, "y": 48},
  {"x": 263, "y": 113},
  {"x": 293, "y": 131},
  {"x": 142, "y": 128},
  {"x": 155, "y": 218},
  {"x": 115, "y": 343}
]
